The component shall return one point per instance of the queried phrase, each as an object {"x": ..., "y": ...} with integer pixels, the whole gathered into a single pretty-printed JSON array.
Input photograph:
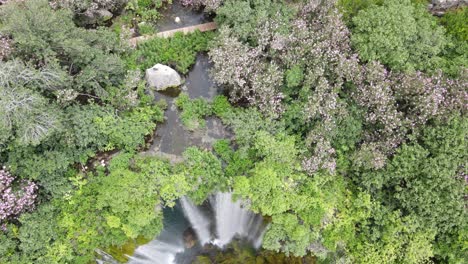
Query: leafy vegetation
[
  {"x": 348, "y": 120},
  {"x": 400, "y": 35},
  {"x": 178, "y": 51},
  {"x": 193, "y": 111}
]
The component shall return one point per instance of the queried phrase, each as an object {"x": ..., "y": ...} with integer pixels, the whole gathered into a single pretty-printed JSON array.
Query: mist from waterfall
[{"x": 216, "y": 223}]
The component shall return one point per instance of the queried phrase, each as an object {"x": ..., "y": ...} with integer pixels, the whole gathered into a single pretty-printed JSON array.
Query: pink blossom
[{"x": 15, "y": 198}]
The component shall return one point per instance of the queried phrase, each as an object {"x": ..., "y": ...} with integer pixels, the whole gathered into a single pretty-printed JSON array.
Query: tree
[
  {"x": 424, "y": 183},
  {"x": 399, "y": 34}
]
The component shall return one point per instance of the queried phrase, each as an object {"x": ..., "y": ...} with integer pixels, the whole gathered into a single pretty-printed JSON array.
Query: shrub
[
  {"x": 203, "y": 172},
  {"x": 221, "y": 106},
  {"x": 455, "y": 23},
  {"x": 178, "y": 51},
  {"x": 193, "y": 111}
]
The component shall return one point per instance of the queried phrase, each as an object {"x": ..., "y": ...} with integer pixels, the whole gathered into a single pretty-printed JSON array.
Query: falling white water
[
  {"x": 232, "y": 220},
  {"x": 156, "y": 252},
  {"x": 199, "y": 221},
  {"x": 219, "y": 224}
]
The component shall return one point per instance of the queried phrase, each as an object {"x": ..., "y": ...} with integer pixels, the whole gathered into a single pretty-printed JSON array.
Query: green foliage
[
  {"x": 90, "y": 128},
  {"x": 221, "y": 106},
  {"x": 273, "y": 186},
  {"x": 455, "y": 23},
  {"x": 399, "y": 34},
  {"x": 65, "y": 95},
  {"x": 223, "y": 149},
  {"x": 38, "y": 230},
  {"x": 146, "y": 29},
  {"x": 144, "y": 10},
  {"x": 351, "y": 8},
  {"x": 238, "y": 162},
  {"x": 294, "y": 77},
  {"x": 179, "y": 51},
  {"x": 193, "y": 111},
  {"x": 204, "y": 173},
  {"x": 111, "y": 209},
  {"x": 8, "y": 245},
  {"x": 286, "y": 227},
  {"x": 391, "y": 238},
  {"x": 43, "y": 36},
  {"x": 455, "y": 57},
  {"x": 129, "y": 131},
  {"x": 246, "y": 123},
  {"x": 422, "y": 181}
]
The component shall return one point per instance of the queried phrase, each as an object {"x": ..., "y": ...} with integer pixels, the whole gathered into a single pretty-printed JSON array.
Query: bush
[
  {"x": 193, "y": 111},
  {"x": 221, "y": 106},
  {"x": 455, "y": 23},
  {"x": 203, "y": 171},
  {"x": 178, "y": 51}
]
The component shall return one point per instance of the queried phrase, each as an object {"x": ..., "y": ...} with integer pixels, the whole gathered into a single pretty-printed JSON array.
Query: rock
[
  {"x": 177, "y": 20},
  {"x": 94, "y": 17},
  {"x": 189, "y": 238},
  {"x": 162, "y": 77},
  {"x": 103, "y": 15},
  {"x": 439, "y": 7}
]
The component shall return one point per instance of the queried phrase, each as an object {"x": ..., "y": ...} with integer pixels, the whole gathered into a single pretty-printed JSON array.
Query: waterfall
[
  {"x": 156, "y": 252},
  {"x": 218, "y": 223},
  {"x": 233, "y": 220},
  {"x": 199, "y": 221}
]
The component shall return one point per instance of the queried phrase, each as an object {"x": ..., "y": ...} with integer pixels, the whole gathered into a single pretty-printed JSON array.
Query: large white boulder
[{"x": 161, "y": 77}]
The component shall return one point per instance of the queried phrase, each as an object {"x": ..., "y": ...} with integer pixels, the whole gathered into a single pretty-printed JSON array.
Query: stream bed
[
  {"x": 220, "y": 230},
  {"x": 171, "y": 138}
]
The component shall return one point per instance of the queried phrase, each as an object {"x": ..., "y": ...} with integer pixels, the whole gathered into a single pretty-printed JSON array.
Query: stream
[{"x": 191, "y": 231}]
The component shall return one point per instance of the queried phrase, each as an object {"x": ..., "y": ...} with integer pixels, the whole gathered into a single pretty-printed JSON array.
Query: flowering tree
[
  {"x": 247, "y": 72},
  {"x": 398, "y": 104},
  {"x": 14, "y": 198}
]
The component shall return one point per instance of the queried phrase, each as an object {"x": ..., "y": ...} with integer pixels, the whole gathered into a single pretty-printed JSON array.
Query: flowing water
[
  {"x": 187, "y": 16},
  {"x": 171, "y": 138},
  {"x": 215, "y": 224},
  {"x": 192, "y": 230}
]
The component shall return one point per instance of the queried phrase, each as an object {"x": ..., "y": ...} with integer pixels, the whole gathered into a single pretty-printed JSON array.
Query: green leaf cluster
[
  {"x": 399, "y": 34},
  {"x": 178, "y": 51},
  {"x": 193, "y": 111}
]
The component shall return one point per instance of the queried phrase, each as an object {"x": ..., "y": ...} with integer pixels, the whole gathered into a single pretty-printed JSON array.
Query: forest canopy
[{"x": 348, "y": 122}]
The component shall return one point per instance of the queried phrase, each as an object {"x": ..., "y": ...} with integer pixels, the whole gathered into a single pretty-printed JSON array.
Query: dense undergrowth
[
  {"x": 351, "y": 137},
  {"x": 178, "y": 51}
]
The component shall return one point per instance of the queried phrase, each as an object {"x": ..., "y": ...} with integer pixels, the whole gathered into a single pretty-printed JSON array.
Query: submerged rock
[
  {"x": 162, "y": 77},
  {"x": 190, "y": 238}
]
